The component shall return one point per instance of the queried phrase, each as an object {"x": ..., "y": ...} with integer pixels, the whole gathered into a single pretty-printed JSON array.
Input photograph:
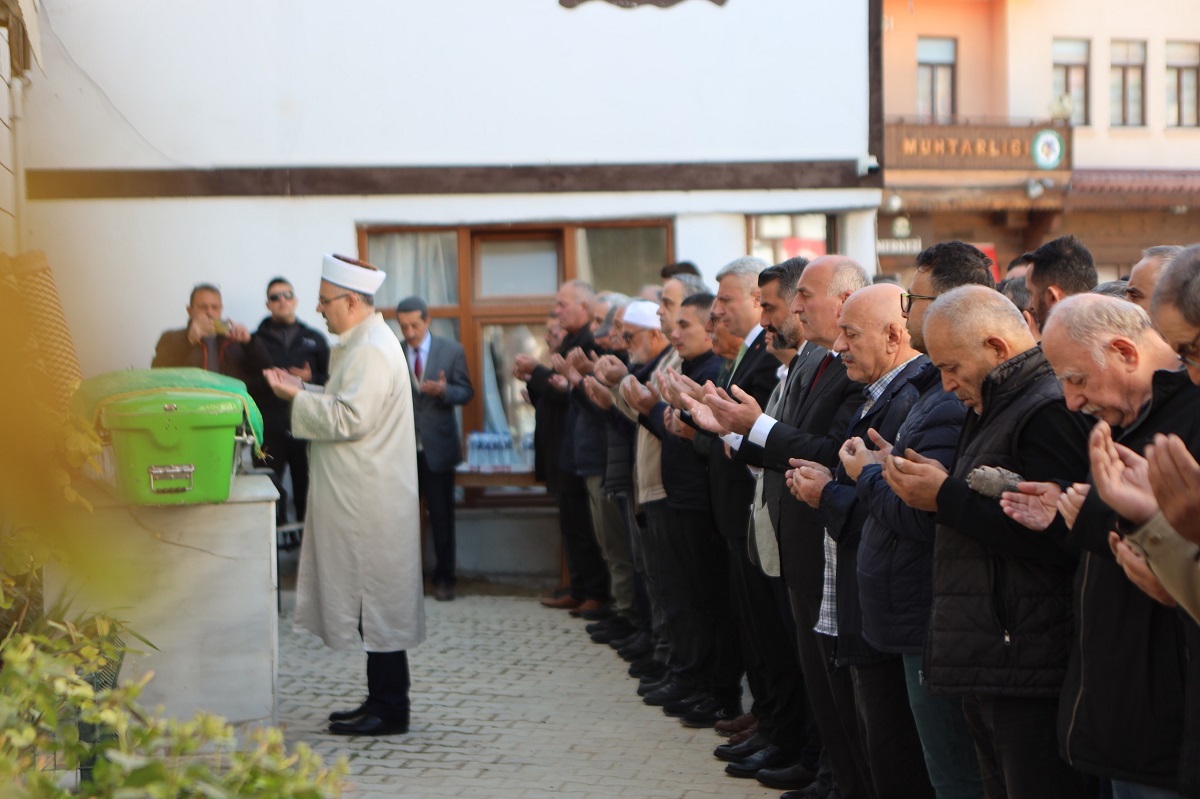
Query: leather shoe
[
  {"x": 709, "y": 712},
  {"x": 349, "y": 715},
  {"x": 650, "y": 684},
  {"x": 640, "y": 647},
  {"x": 733, "y": 726},
  {"x": 817, "y": 789},
  {"x": 589, "y": 606},
  {"x": 669, "y": 692},
  {"x": 770, "y": 756},
  {"x": 616, "y": 630},
  {"x": 646, "y": 666},
  {"x": 681, "y": 707},
  {"x": 731, "y": 752},
  {"x": 443, "y": 593},
  {"x": 787, "y": 778},
  {"x": 598, "y": 626},
  {"x": 566, "y": 602},
  {"x": 368, "y": 725},
  {"x": 744, "y": 735}
]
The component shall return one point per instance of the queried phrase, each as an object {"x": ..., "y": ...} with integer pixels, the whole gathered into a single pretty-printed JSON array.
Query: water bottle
[{"x": 507, "y": 451}]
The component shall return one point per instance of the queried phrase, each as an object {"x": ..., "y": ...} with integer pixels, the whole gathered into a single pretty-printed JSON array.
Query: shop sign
[
  {"x": 898, "y": 246},
  {"x": 912, "y": 146}
]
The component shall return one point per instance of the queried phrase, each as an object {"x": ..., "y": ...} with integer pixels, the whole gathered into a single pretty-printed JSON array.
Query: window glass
[
  {"x": 936, "y": 51},
  {"x": 1183, "y": 54},
  {"x": 505, "y": 410},
  {"x": 620, "y": 259},
  {"x": 521, "y": 267},
  {"x": 803, "y": 236},
  {"x": 1070, "y": 51}
]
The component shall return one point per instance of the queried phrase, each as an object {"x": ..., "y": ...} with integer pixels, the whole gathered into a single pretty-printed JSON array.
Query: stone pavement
[{"x": 510, "y": 700}]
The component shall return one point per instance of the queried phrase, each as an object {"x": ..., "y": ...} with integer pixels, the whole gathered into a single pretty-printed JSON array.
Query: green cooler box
[{"x": 173, "y": 447}]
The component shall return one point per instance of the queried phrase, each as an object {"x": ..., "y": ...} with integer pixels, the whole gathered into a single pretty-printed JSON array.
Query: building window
[
  {"x": 491, "y": 288},
  {"x": 1183, "y": 84},
  {"x": 778, "y": 237},
  {"x": 1071, "y": 57},
  {"x": 935, "y": 79},
  {"x": 1126, "y": 80}
]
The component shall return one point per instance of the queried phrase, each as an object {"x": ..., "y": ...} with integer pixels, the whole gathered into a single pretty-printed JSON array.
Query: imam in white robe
[{"x": 361, "y": 550}]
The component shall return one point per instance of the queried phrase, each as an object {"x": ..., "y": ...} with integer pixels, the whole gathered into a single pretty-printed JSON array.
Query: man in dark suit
[
  {"x": 438, "y": 367},
  {"x": 811, "y": 427}
]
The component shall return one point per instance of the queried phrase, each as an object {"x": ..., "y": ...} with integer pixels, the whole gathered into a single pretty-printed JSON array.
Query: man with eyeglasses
[{"x": 303, "y": 352}]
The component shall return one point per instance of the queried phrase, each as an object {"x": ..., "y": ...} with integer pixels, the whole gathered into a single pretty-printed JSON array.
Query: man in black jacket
[
  {"x": 819, "y": 403},
  {"x": 1001, "y": 626},
  {"x": 895, "y": 555},
  {"x": 1126, "y": 720},
  {"x": 875, "y": 347},
  {"x": 304, "y": 352}
]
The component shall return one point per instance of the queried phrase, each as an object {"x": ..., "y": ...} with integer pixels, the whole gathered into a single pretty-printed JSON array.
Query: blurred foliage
[{"x": 55, "y": 672}]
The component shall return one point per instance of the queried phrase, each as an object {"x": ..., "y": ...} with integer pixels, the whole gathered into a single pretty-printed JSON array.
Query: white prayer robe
[{"x": 361, "y": 549}]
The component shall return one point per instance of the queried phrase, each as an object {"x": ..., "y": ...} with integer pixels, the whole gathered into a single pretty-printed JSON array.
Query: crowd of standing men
[{"x": 949, "y": 535}]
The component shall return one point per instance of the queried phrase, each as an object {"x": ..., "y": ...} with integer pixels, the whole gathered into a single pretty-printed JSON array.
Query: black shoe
[
  {"x": 671, "y": 691},
  {"x": 647, "y": 667},
  {"x": 731, "y": 753},
  {"x": 625, "y": 640},
  {"x": 443, "y": 593},
  {"x": 638, "y": 648},
  {"x": 368, "y": 725},
  {"x": 770, "y": 756},
  {"x": 349, "y": 715},
  {"x": 597, "y": 626},
  {"x": 708, "y": 713},
  {"x": 685, "y": 705},
  {"x": 788, "y": 778},
  {"x": 617, "y": 630},
  {"x": 598, "y": 614},
  {"x": 651, "y": 684},
  {"x": 817, "y": 789}
]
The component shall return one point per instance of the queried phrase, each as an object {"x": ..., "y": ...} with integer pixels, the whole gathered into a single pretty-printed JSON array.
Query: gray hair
[
  {"x": 1093, "y": 319},
  {"x": 977, "y": 309},
  {"x": 746, "y": 266},
  {"x": 587, "y": 294},
  {"x": 1164, "y": 253},
  {"x": 1179, "y": 285},
  {"x": 692, "y": 284},
  {"x": 848, "y": 276},
  {"x": 1111, "y": 288},
  {"x": 613, "y": 299}
]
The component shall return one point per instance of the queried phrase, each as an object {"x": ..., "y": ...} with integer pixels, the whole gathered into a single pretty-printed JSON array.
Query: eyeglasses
[
  {"x": 323, "y": 302},
  {"x": 1188, "y": 354},
  {"x": 906, "y": 300},
  {"x": 630, "y": 336},
  {"x": 280, "y": 295}
]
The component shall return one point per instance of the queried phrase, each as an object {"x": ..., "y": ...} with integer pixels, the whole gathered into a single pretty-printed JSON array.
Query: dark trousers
[
  {"x": 635, "y": 531},
  {"x": 387, "y": 685},
  {"x": 1017, "y": 743},
  {"x": 284, "y": 452},
  {"x": 585, "y": 562},
  {"x": 888, "y": 732},
  {"x": 769, "y": 656},
  {"x": 698, "y": 616},
  {"x": 830, "y": 691},
  {"x": 437, "y": 488}
]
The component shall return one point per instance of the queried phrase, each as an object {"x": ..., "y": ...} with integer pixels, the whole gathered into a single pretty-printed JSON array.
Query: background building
[{"x": 1010, "y": 122}]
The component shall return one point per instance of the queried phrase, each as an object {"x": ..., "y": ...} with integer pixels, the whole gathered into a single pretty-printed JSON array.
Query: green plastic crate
[{"x": 172, "y": 447}]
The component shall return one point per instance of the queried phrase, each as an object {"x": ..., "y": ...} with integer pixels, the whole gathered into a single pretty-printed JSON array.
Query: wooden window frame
[
  {"x": 1179, "y": 69},
  {"x": 933, "y": 67},
  {"x": 1125, "y": 69},
  {"x": 472, "y": 313},
  {"x": 1086, "y": 68}
]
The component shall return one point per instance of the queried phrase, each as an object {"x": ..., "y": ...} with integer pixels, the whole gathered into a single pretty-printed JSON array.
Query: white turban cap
[{"x": 349, "y": 275}]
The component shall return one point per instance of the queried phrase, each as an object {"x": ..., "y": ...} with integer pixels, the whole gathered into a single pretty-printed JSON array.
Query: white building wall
[
  {"x": 1032, "y": 27},
  {"x": 145, "y": 83}
]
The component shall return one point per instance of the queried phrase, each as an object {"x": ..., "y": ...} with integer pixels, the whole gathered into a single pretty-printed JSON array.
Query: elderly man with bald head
[
  {"x": 1115, "y": 367},
  {"x": 875, "y": 347},
  {"x": 1001, "y": 626}
]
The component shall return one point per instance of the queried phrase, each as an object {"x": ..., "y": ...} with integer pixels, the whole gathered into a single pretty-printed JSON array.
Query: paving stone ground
[{"x": 510, "y": 700}]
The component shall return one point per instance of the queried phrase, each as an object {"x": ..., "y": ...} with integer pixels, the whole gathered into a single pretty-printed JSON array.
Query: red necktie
[
  {"x": 417, "y": 364},
  {"x": 828, "y": 359}
]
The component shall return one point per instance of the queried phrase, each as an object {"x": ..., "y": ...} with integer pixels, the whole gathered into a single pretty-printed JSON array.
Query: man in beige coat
[{"x": 360, "y": 560}]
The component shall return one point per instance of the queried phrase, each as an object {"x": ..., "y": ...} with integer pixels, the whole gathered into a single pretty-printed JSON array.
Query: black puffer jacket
[
  {"x": 1122, "y": 714},
  {"x": 895, "y": 556},
  {"x": 1001, "y": 621}
]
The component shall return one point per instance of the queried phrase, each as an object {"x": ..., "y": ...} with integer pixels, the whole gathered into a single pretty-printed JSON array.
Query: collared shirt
[
  {"x": 827, "y": 619},
  {"x": 422, "y": 348},
  {"x": 762, "y": 426}
]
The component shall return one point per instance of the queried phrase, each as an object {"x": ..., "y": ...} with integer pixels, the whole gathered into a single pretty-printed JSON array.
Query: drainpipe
[{"x": 17, "y": 93}]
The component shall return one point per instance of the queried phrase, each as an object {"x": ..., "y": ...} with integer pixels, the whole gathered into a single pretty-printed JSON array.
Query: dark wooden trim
[
  {"x": 84, "y": 184},
  {"x": 875, "y": 87}
]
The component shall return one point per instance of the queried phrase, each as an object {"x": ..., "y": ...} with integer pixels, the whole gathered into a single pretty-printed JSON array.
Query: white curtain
[{"x": 420, "y": 264}]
